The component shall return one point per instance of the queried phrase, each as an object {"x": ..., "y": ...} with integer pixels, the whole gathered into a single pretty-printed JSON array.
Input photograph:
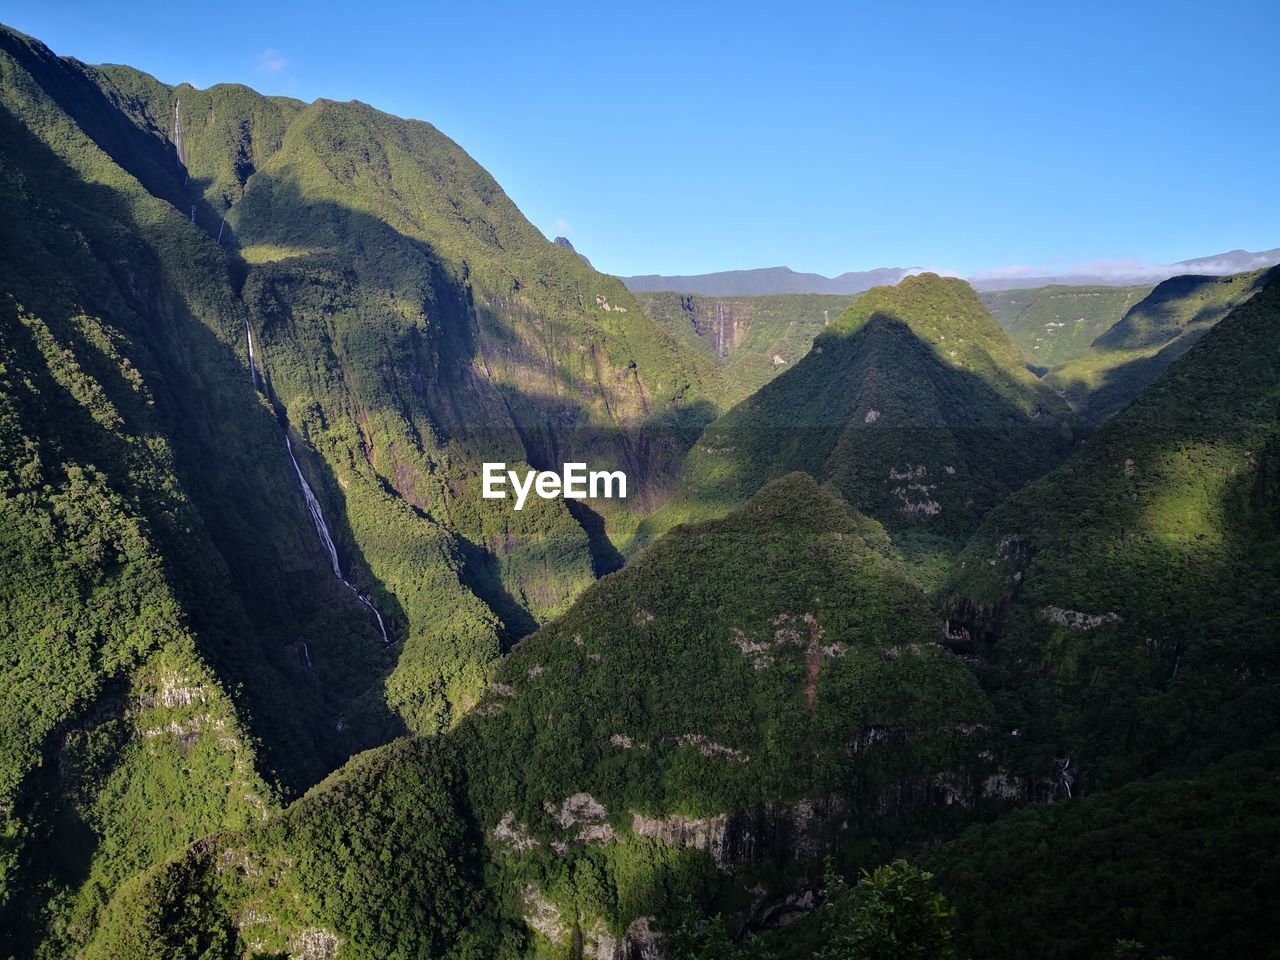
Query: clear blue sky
[{"x": 689, "y": 137}]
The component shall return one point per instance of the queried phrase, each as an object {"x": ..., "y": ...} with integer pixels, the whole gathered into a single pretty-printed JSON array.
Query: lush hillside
[
  {"x": 276, "y": 681},
  {"x": 749, "y": 339},
  {"x": 1056, "y": 324},
  {"x": 675, "y": 732},
  {"x": 1150, "y": 336},
  {"x": 1176, "y": 866},
  {"x": 1125, "y": 603},
  {"x": 756, "y": 691},
  {"x": 914, "y": 404},
  {"x": 1120, "y": 613},
  {"x": 178, "y": 644}
]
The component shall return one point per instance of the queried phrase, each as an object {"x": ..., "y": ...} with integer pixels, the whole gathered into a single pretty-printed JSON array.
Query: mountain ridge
[{"x": 782, "y": 279}]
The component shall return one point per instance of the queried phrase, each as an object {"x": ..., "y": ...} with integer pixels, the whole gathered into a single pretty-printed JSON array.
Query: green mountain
[
  {"x": 599, "y": 781},
  {"x": 1123, "y": 611},
  {"x": 1056, "y": 324},
  {"x": 1128, "y": 594},
  {"x": 749, "y": 339},
  {"x": 761, "y": 690},
  {"x": 181, "y": 647},
  {"x": 276, "y": 681},
  {"x": 1151, "y": 335},
  {"x": 914, "y": 405}
]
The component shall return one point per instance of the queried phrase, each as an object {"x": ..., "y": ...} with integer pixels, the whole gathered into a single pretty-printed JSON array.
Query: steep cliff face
[
  {"x": 407, "y": 323},
  {"x": 751, "y": 340}
]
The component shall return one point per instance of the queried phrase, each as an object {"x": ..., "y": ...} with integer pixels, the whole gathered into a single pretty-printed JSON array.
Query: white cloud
[
  {"x": 1013, "y": 271},
  {"x": 270, "y": 61},
  {"x": 563, "y": 227},
  {"x": 940, "y": 271},
  {"x": 1130, "y": 270}
]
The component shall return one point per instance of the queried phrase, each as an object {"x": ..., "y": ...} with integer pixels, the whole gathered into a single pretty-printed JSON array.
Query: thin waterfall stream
[{"x": 313, "y": 507}]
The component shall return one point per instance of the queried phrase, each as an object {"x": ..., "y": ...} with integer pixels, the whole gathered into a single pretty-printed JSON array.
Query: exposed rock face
[
  {"x": 544, "y": 916},
  {"x": 709, "y": 748},
  {"x": 769, "y": 913},
  {"x": 513, "y": 834},
  {"x": 314, "y": 944},
  {"x": 638, "y": 942},
  {"x": 777, "y": 832},
  {"x": 951, "y": 788},
  {"x": 583, "y": 811},
  {"x": 1077, "y": 620},
  {"x": 175, "y": 691},
  {"x": 789, "y": 630},
  {"x": 596, "y": 942}
]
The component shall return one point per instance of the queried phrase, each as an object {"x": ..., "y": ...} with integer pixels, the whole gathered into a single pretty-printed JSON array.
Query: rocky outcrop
[
  {"x": 952, "y": 788},
  {"x": 542, "y": 915},
  {"x": 582, "y": 810},
  {"x": 709, "y": 748},
  {"x": 315, "y": 943},
  {"x": 1076, "y": 620},
  {"x": 514, "y": 835},
  {"x": 778, "y": 832},
  {"x": 640, "y": 941}
]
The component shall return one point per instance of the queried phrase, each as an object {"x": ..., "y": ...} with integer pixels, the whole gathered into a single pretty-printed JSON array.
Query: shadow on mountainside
[
  {"x": 436, "y": 383},
  {"x": 243, "y": 559},
  {"x": 1122, "y": 603},
  {"x": 920, "y": 444}
]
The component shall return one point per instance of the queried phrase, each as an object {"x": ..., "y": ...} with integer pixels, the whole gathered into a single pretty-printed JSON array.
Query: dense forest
[{"x": 935, "y": 624}]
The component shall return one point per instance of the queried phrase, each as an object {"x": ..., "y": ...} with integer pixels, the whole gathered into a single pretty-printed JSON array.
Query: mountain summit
[{"x": 915, "y": 405}]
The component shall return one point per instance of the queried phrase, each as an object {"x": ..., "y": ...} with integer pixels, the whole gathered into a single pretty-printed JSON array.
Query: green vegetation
[
  {"x": 891, "y": 914},
  {"x": 793, "y": 609},
  {"x": 887, "y": 605},
  {"x": 1056, "y": 324},
  {"x": 1126, "y": 600},
  {"x": 750, "y": 339},
  {"x": 1184, "y": 865},
  {"x": 833, "y": 707},
  {"x": 1152, "y": 334},
  {"x": 409, "y": 322},
  {"x": 914, "y": 404}
]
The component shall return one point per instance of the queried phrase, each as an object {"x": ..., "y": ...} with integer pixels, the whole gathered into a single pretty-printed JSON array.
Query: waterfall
[
  {"x": 317, "y": 514},
  {"x": 364, "y": 598},
  {"x": 306, "y": 652},
  {"x": 253, "y": 362},
  {"x": 326, "y": 541}
]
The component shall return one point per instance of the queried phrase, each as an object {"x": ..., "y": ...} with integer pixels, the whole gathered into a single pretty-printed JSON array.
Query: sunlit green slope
[
  {"x": 1057, "y": 323},
  {"x": 914, "y": 404}
]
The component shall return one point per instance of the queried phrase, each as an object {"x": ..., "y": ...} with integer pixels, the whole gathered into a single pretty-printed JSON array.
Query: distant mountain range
[
  {"x": 1123, "y": 275},
  {"x": 772, "y": 280},
  {"x": 767, "y": 280}
]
